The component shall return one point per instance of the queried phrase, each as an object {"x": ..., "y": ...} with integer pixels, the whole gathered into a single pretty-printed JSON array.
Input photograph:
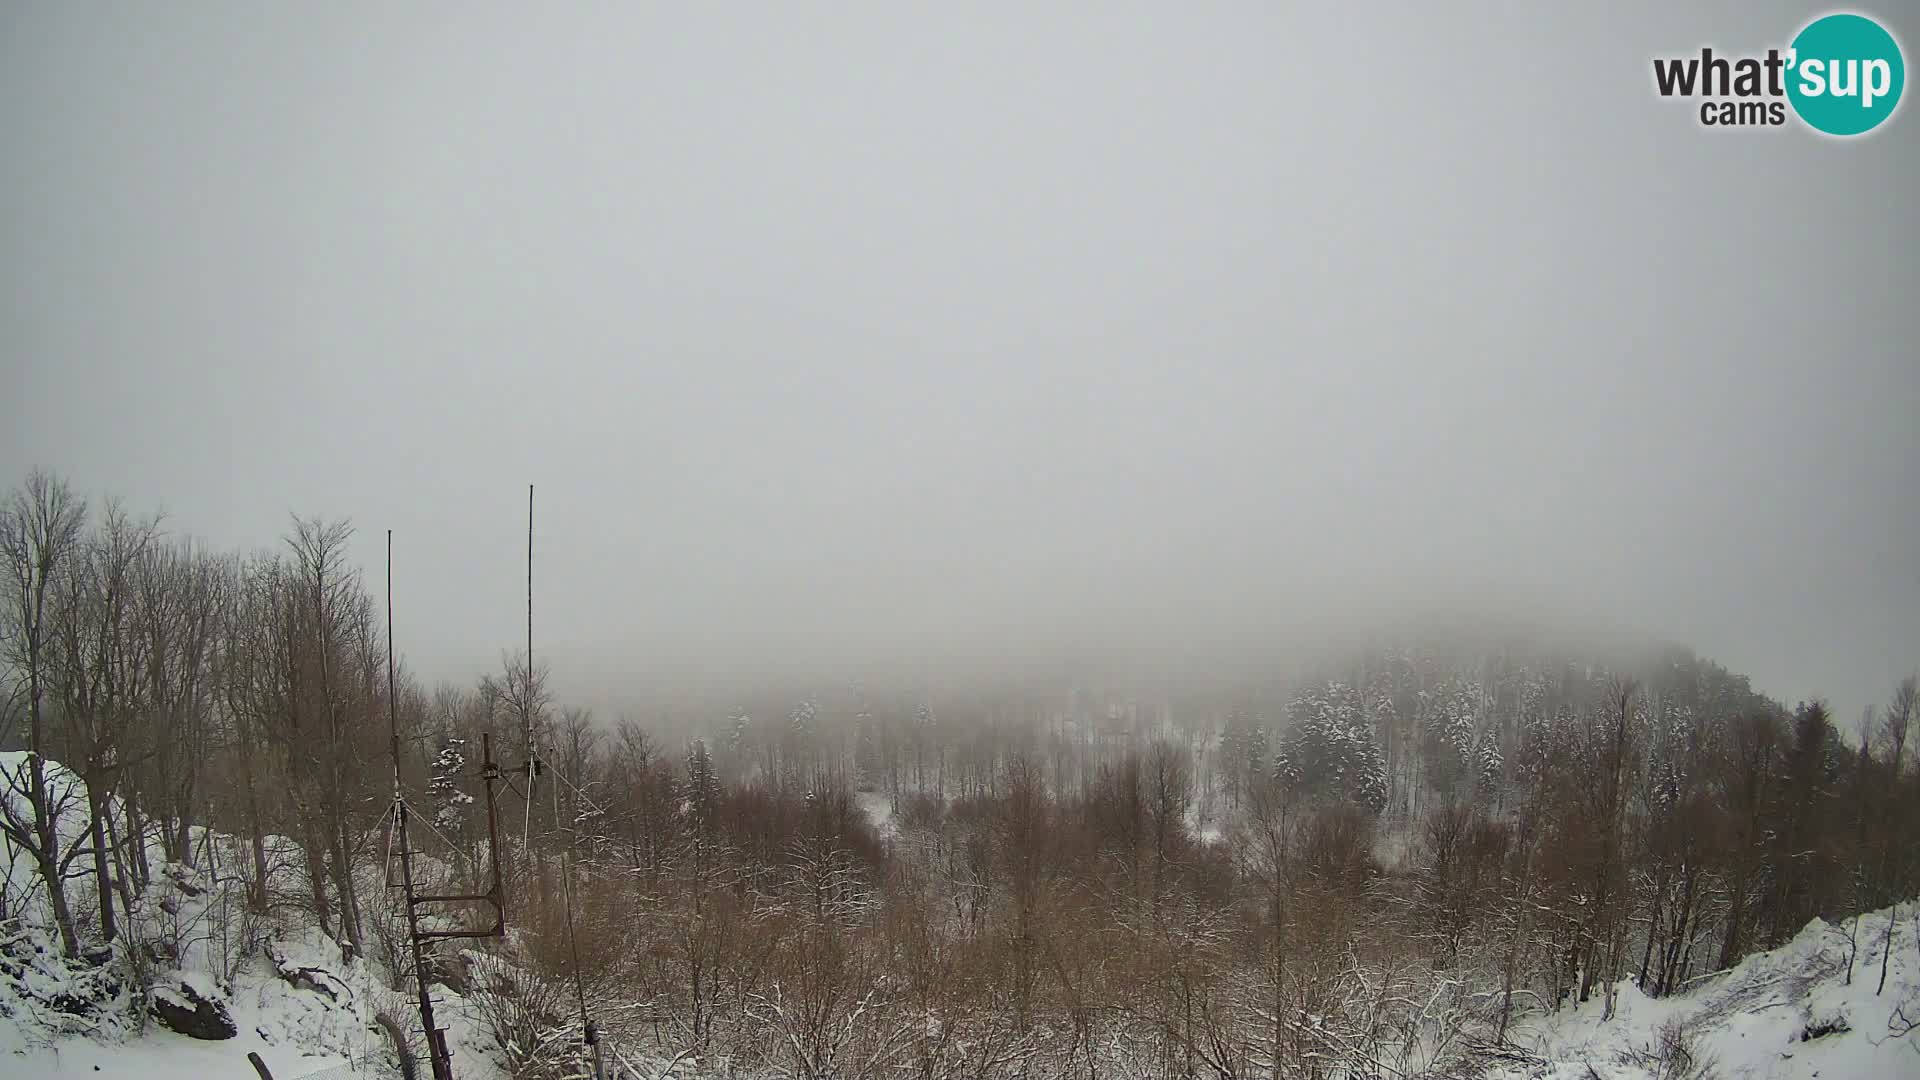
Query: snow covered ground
[
  {"x": 879, "y": 810},
  {"x": 162, "y": 1055},
  {"x": 1789, "y": 1014},
  {"x": 291, "y": 1000},
  {"x": 1781, "y": 1015},
  {"x": 296, "y": 1031},
  {"x": 319, "y": 1021}
]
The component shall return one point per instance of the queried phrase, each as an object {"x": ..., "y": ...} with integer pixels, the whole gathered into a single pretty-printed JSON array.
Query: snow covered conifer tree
[
  {"x": 1331, "y": 752},
  {"x": 449, "y": 802},
  {"x": 702, "y": 791}
]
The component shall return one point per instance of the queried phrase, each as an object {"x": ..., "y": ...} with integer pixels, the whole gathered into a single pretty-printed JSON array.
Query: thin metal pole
[
  {"x": 490, "y": 772},
  {"x": 436, "y": 1046},
  {"x": 529, "y": 615},
  {"x": 526, "y": 701},
  {"x": 393, "y": 716},
  {"x": 590, "y": 1033}
]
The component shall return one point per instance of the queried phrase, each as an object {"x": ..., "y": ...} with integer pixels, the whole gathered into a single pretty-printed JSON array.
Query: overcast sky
[{"x": 831, "y": 329}]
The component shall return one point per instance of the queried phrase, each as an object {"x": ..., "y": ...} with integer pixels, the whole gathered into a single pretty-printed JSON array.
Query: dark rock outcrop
[{"x": 179, "y": 1007}]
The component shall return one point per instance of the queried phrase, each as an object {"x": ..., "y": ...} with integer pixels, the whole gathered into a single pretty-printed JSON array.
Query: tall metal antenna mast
[
  {"x": 436, "y": 1038},
  {"x": 418, "y": 939},
  {"x": 529, "y": 614},
  {"x": 526, "y": 701},
  {"x": 589, "y": 1033}
]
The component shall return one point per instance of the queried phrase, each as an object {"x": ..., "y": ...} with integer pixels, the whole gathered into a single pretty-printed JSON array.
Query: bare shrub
[
  {"x": 1675, "y": 1054},
  {"x": 523, "y": 1011}
]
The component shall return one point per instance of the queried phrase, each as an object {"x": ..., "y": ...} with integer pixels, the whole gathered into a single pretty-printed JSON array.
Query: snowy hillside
[
  {"x": 266, "y": 984},
  {"x": 1789, "y": 1014},
  {"x": 295, "y": 1005}
]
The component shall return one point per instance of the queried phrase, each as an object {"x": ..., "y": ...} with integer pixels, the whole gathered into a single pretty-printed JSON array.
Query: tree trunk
[
  {"x": 47, "y": 857},
  {"x": 1853, "y": 947},
  {"x": 102, "y": 873},
  {"x": 183, "y": 836},
  {"x": 1886, "y": 948},
  {"x": 1736, "y": 921},
  {"x": 343, "y": 881},
  {"x": 170, "y": 843},
  {"x": 1653, "y": 928},
  {"x": 1279, "y": 977},
  {"x": 137, "y": 843},
  {"x": 257, "y": 888},
  {"x": 121, "y": 877},
  {"x": 317, "y": 879},
  {"x": 57, "y": 896},
  {"x": 1683, "y": 929}
]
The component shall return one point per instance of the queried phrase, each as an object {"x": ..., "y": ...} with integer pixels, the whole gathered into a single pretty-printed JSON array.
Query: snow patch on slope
[
  {"x": 1788, "y": 1014},
  {"x": 284, "y": 985},
  {"x": 879, "y": 810}
]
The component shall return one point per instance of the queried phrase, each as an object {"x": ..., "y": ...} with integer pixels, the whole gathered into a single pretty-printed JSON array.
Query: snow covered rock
[{"x": 181, "y": 1007}]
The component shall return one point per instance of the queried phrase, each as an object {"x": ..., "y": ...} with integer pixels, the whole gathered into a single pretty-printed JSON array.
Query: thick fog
[{"x": 855, "y": 334}]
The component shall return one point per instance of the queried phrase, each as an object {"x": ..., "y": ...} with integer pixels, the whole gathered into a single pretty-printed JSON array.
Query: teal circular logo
[{"x": 1845, "y": 74}]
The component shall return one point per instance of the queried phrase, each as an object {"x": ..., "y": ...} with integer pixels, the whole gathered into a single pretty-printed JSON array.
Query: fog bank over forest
[
  {"x": 843, "y": 339},
  {"x": 1165, "y": 657}
]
